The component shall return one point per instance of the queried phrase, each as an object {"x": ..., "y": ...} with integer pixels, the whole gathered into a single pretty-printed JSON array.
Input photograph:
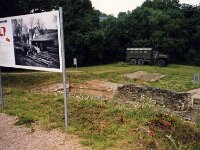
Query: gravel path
[{"x": 21, "y": 138}]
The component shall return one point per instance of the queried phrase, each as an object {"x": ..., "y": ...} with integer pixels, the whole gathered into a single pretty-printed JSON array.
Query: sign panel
[
  {"x": 31, "y": 42},
  {"x": 75, "y": 61},
  {"x": 196, "y": 78}
]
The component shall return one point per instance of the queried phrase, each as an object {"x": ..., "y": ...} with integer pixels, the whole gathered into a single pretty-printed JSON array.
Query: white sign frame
[{"x": 7, "y": 51}]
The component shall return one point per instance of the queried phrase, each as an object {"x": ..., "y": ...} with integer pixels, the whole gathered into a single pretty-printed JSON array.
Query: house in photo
[{"x": 47, "y": 41}]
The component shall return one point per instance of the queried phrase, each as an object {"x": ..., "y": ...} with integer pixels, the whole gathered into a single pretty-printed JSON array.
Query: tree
[
  {"x": 81, "y": 25},
  {"x": 162, "y": 24},
  {"x": 166, "y": 25},
  {"x": 121, "y": 15}
]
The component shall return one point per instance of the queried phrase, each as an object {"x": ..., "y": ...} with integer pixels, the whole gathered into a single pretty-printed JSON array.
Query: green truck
[{"x": 140, "y": 56}]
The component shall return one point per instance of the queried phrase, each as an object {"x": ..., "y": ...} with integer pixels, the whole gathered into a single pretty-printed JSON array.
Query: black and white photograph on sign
[{"x": 35, "y": 41}]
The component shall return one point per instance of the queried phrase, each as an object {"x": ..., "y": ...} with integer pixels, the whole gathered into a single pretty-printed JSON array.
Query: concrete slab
[{"x": 195, "y": 98}]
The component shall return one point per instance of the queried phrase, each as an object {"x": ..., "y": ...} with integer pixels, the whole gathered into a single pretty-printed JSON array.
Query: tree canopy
[{"x": 166, "y": 25}]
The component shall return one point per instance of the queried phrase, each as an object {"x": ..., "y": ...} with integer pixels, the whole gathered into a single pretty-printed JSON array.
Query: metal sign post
[
  {"x": 63, "y": 66},
  {"x": 1, "y": 92}
]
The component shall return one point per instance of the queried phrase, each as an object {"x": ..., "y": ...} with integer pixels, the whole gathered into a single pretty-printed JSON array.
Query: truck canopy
[{"x": 134, "y": 49}]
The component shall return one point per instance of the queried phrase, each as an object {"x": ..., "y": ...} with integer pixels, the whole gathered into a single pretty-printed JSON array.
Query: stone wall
[{"x": 173, "y": 100}]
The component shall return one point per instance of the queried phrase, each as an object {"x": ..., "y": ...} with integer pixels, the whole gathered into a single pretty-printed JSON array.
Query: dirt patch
[
  {"x": 103, "y": 85},
  {"x": 19, "y": 137},
  {"x": 97, "y": 88},
  {"x": 55, "y": 87},
  {"x": 94, "y": 93},
  {"x": 94, "y": 88},
  {"x": 145, "y": 76}
]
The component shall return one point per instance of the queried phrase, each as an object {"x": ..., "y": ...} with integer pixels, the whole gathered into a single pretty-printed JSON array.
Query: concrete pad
[{"x": 145, "y": 76}]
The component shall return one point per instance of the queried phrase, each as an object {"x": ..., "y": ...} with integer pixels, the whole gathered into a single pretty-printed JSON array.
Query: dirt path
[{"x": 21, "y": 138}]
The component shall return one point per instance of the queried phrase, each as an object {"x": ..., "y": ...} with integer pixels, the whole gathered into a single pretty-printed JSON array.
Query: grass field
[
  {"x": 101, "y": 123},
  {"x": 178, "y": 77}
]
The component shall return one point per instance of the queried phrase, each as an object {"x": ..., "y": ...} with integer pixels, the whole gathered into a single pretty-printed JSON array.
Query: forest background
[{"x": 94, "y": 37}]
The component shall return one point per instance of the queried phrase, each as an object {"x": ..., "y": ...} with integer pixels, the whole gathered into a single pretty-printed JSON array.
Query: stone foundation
[{"x": 172, "y": 100}]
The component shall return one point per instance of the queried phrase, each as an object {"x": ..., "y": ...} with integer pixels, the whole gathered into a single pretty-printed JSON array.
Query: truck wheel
[
  {"x": 140, "y": 62},
  {"x": 161, "y": 62},
  {"x": 133, "y": 62}
]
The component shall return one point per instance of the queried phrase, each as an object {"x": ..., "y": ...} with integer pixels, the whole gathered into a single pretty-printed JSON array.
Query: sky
[{"x": 116, "y": 6}]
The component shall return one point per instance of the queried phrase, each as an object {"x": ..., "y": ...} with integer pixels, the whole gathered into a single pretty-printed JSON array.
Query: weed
[
  {"x": 172, "y": 141},
  {"x": 26, "y": 119},
  {"x": 198, "y": 122}
]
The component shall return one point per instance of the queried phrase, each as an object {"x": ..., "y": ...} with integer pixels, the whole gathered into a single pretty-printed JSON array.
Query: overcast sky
[{"x": 116, "y": 6}]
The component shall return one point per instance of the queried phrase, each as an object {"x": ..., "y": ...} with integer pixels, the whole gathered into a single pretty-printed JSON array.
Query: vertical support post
[
  {"x": 69, "y": 83},
  {"x": 1, "y": 92},
  {"x": 63, "y": 65}
]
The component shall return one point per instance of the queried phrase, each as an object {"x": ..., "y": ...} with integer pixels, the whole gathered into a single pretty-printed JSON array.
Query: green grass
[
  {"x": 178, "y": 77},
  {"x": 105, "y": 124}
]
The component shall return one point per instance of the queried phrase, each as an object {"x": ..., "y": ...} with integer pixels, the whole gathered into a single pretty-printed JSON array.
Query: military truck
[{"x": 140, "y": 56}]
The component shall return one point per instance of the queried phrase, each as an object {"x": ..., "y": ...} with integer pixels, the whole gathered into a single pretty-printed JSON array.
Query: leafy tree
[
  {"x": 121, "y": 14},
  {"x": 81, "y": 25},
  {"x": 162, "y": 24},
  {"x": 83, "y": 38},
  {"x": 166, "y": 25}
]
